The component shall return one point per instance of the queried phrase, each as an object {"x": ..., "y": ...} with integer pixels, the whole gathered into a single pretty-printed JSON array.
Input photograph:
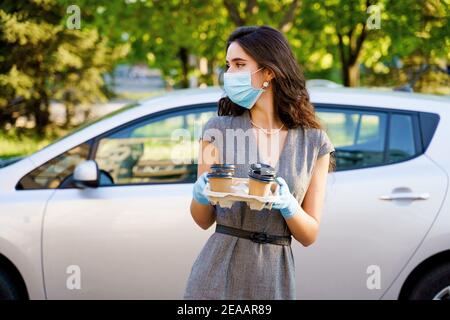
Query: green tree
[
  {"x": 342, "y": 29},
  {"x": 41, "y": 59},
  {"x": 177, "y": 36}
]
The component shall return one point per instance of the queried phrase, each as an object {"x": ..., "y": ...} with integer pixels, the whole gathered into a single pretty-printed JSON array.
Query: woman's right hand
[{"x": 199, "y": 186}]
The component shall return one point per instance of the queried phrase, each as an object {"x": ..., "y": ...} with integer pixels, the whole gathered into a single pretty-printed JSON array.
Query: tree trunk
[
  {"x": 40, "y": 109},
  {"x": 41, "y": 116},
  {"x": 183, "y": 54},
  {"x": 69, "y": 114},
  {"x": 354, "y": 75},
  {"x": 349, "y": 64}
]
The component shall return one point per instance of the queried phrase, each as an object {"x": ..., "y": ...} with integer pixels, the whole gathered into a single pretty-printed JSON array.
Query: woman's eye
[{"x": 238, "y": 65}]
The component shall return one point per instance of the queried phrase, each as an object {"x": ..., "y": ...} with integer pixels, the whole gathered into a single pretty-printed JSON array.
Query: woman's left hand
[{"x": 287, "y": 203}]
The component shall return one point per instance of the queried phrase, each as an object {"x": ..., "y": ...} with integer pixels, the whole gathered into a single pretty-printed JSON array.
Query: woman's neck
[{"x": 263, "y": 113}]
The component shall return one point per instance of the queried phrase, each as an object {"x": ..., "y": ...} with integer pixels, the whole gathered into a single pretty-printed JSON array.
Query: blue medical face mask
[{"x": 238, "y": 87}]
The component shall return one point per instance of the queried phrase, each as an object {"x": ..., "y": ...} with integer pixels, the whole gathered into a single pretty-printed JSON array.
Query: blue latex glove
[
  {"x": 287, "y": 203},
  {"x": 199, "y": 186}
]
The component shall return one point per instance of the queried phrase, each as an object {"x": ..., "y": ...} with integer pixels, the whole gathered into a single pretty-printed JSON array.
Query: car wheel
[
  {"x": 8, "y": 291},
  {"x": 434, "y": 285}
]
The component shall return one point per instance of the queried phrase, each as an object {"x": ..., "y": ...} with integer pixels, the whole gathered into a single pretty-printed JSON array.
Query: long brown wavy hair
[{"x": 270, "y": 49}]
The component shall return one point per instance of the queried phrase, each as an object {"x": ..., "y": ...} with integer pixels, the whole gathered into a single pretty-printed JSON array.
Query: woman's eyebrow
[{"x": 237, "y": 59}]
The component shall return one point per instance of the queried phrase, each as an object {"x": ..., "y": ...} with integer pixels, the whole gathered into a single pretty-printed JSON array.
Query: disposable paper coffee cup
[
  {"x": 220, "y": 184},
  {"x": 261, "y": 177},
  {"x": 259, "y": 188}
]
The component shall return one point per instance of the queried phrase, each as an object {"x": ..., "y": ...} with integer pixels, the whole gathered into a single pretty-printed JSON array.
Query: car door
[
  {"x": 133, "y": 238},
  {"x": 379, "y": 205}
]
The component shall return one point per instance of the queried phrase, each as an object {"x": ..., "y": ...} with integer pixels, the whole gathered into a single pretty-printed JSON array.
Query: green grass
[
  {"x": 21, "y": 142},
  {"x": 14, "y": 143}
]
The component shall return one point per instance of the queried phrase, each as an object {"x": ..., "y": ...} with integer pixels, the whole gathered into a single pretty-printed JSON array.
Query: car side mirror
[{"x": 86, "y": 174}]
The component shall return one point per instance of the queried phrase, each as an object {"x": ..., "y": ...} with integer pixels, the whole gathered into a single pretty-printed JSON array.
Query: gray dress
[{"x": 229, "y": 267}]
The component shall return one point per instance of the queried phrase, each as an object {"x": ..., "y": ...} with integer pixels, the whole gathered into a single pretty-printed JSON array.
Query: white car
[{"x": 104, "y": 212}]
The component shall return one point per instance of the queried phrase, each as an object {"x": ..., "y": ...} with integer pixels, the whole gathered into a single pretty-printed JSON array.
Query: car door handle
[{"x": 406, "y": 196}]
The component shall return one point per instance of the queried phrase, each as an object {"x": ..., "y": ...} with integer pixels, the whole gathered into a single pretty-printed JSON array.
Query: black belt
[{"x": 258, "y": 237}]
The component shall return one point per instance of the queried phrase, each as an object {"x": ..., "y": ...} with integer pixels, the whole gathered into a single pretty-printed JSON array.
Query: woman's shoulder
[
  {"x": 313, "y": 134},
  {"x": 318, "y": 139},
  {"x": 219, "y": 122}
]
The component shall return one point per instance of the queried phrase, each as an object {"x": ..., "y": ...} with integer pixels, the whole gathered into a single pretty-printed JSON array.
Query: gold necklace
[{"x": 266, "y": 131}]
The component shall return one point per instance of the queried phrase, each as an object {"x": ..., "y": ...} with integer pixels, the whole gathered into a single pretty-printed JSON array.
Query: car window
[
  {"x": 401, "y": 138},
  {"x": 358, "y": 136},
  {"x": 162, "y": 150},
  {"x": 52, "y": 173}
]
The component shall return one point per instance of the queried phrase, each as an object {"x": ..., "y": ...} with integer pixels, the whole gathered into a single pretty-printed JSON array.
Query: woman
[{"x": 266, "y": 96}]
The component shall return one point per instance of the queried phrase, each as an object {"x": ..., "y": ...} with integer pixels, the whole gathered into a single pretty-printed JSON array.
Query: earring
[{"x": 265, "y": 84}]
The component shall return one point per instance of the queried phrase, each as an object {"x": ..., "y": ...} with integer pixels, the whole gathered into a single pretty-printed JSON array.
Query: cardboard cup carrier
[{"x": 259, "y": 190}]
